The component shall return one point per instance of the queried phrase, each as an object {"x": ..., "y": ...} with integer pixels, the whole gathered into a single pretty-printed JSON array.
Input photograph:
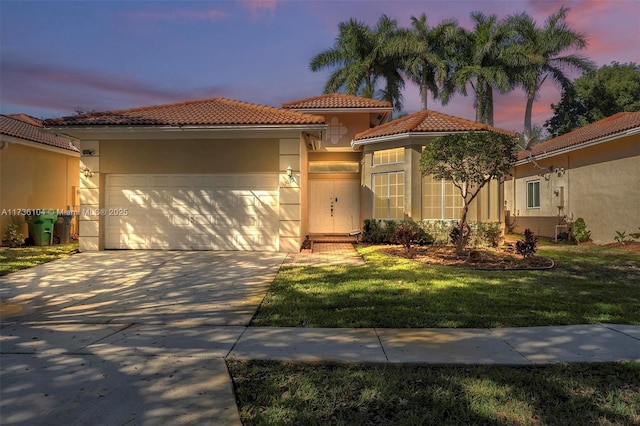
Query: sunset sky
[{"x": 56, "y": 56}]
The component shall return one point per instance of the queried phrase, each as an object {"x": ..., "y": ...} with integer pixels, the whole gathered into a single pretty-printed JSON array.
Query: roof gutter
[
  {"x": 315, "y": 111},
  {"x": 397, "y": 137},
  {"x": 594, "y": 142},
  {"x": 38, "y": 145},
  {"x": 114, "y": 130},
  {"x": 118, "y": 128}
]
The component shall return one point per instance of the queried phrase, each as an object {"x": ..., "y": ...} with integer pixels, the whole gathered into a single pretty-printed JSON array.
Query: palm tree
[
  {"x": 484, "y": 64},
  {"x": 426, "y": 52},
  {"x": 361, "y": 56},
  {"x": 540, "y": 53}
]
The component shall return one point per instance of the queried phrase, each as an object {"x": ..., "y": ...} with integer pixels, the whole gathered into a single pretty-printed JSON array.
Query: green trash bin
[
  {"x": 62, "y": 229},
  {"x": 40, "y": 223}
]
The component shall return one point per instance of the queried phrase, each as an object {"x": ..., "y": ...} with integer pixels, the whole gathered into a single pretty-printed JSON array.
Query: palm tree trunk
[
  {"x": 527, "y": 118},
  {"x": 479, "y": 102},
  {"x": 489, "y": 106},
  {"x": 424, "y": 94}
]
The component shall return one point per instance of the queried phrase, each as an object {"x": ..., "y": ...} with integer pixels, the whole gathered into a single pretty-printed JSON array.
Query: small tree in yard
[{"x": 470, "y": 161}]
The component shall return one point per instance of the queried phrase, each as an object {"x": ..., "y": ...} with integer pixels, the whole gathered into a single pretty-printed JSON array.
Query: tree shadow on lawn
[
  {"x": 412, "y": 394},
  {"x": 394, "y": 292}
]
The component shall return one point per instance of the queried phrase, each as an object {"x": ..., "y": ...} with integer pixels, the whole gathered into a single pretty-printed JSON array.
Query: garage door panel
[
  {"x": 202, "y": 212},
  {"x": 180, "y": 181},
  {"x": 181, "y": 220},
  {"x": 159, "y": 198},
  {"x": 159, "y": 181}
]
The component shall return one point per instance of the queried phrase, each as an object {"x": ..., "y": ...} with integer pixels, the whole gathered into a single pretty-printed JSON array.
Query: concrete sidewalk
[{"x": 508, "y": 346}]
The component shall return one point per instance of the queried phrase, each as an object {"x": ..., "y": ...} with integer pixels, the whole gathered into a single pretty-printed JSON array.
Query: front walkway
[{"x": 326, "y": 254}]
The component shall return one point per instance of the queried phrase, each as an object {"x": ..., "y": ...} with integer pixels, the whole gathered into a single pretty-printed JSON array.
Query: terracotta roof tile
[
  {"x": 207, "y": 112},
  {"x": 336, "y": 100},
  {"x": 609, "y": 126},
  {"x": 426, "y": 121},
  {"x": 22, "y": 126}
]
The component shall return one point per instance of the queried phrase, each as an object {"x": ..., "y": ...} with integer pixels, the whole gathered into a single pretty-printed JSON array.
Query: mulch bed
[
  {"x": 490, "y": 259},
  {"x": 485, "y": 258}
]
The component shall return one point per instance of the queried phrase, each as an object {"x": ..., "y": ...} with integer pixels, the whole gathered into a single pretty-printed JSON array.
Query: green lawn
[
  {"x": 275, "y": 393},
  {"x": 589, "y": 285},
  {"x": 14, "y": 259}
]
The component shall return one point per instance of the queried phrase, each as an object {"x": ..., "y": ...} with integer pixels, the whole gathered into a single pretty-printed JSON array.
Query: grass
[
  {"x": 14, "y": 259},
  {"x": 589, "y": 285},
  {"x": 274, "y": 393}
]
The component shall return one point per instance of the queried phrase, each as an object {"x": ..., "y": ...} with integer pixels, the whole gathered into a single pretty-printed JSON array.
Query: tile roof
[
  {"x": 28, "y": 128},
  {"x": 426, "y": 121},
  {"x": 207, "y": 112},
  {"x": 608, "y": 126},
  {"x": 336, "y": 100}
]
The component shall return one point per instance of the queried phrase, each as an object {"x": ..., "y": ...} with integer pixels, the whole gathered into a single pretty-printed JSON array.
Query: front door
[{"x": 334, "y": 206}]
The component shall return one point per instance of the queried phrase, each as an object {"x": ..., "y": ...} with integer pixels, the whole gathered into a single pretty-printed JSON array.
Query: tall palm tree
[
  {"x": 484, "y": 64},
  {"x": 361, "y": 56},
  {"x": 427, "y": 52},
  {"x": 541, "y": 55}
]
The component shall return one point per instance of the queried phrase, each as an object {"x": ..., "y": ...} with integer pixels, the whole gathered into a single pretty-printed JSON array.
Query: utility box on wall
[{"x": 558, "y": 194}]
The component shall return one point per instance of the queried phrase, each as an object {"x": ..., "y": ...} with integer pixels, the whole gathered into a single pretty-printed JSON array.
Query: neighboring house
[
  {"x": 592, "y": 172},
  {"x": 37, "y": 170},
  {"x": 220, "y": 174}
]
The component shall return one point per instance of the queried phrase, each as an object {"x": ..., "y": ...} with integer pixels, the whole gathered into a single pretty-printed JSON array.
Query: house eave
[
  {"x": 315, "y": 111},
  {"x": 115, "y": 132},
  {"x": 38, "y": 145}
]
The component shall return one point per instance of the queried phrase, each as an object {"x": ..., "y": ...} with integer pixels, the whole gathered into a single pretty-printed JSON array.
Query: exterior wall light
[
  {"x": 290, "y": 174},
  {"x": 87, "y": 172}
]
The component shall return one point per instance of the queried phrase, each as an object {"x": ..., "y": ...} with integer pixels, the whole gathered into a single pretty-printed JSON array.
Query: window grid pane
[
  {"x": 388, "y": 156},
  {"x": 441, "y": 199},
  {"x": 388, "y": 190}
]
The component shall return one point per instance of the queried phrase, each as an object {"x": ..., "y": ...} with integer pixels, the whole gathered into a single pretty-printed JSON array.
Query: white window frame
[
  {"x": 533, "y": 194},
  {"x": 388, "y": 207},
  {"x": 373, "y": 157}
]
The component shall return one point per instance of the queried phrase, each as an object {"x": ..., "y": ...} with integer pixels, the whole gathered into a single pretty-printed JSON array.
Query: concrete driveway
[{"x": 128, "y": 337}]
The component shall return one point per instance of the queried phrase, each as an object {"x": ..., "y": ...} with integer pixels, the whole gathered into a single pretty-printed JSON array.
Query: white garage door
[{"x": 192, "y": 212}]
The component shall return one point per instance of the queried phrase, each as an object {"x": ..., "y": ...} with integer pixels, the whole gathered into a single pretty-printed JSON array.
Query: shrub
[
  {"x": 12, "y": 236},
  {"x": 406, "y": 236},
  {"x": 580, "y": 232},
  {"x": 437, "y": 230},
  {"x": 620, "y": 237},
  {"x": 376, "y": 231},
  {"x": 527, "y": 246},
  {"x": 486, "y": 233}
]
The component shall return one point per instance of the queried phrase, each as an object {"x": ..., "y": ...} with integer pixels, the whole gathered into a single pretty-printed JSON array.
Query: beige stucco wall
[
  {"x": 189, "y": 156},
  {"x": 292, "y": 207},
  {"x": 600, "y": 184},
  {"x": 35, "y": 178},
  {"x": 342, "y": 128}
]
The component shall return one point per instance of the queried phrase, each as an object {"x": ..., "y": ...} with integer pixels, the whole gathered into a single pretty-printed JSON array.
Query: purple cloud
[
  {"x": 179, "y": 14},
  {"x": 64, "y": 89},
  {"x": 260, "y": 9}
]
